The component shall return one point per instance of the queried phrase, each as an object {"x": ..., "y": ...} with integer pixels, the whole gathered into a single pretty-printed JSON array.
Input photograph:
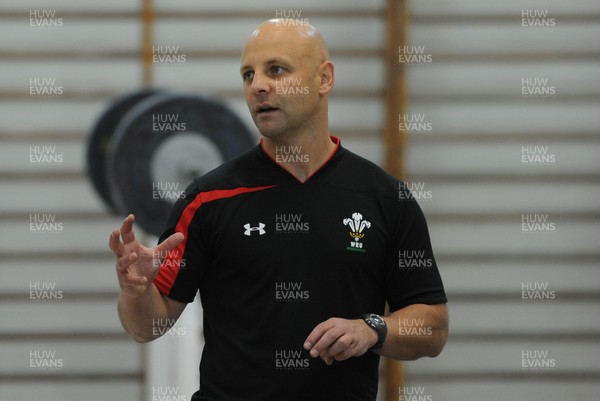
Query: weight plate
[
  {"x": 197, "y": 155},
  {"x": 100, "y": 138},
  {"x": 161, "y": 145}
]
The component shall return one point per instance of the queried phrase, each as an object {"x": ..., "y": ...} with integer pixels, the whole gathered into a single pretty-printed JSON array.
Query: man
[{"x": 294, "y": 247}]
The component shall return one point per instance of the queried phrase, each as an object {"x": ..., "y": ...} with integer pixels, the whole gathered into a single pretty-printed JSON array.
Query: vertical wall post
[
  {"x": 147, "y": 16},
  {"x": 396, "y": 98}
]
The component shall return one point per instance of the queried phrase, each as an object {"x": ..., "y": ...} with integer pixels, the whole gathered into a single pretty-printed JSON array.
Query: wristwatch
[{"x": 377, "y": 323}]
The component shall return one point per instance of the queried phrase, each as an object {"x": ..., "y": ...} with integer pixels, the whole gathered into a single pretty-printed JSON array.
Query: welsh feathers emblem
[{"x": 357, "y": 225}]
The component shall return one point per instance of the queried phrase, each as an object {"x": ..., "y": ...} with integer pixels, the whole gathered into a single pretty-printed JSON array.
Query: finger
[
  {"x": 313, "y": 338},
  {"x": 327, "y": 339},
  {"x": 317, "y": 333},
  {"x": 132, "y": 279},
  {"x": 327, "y": 359},
  {"x": 124, "y": 262},
  {"x": 170, "y": 243},
  {"x": 127, "y": 277},
  {"x": 114, "y": 243},
  {"x": 127, "y": 233}
]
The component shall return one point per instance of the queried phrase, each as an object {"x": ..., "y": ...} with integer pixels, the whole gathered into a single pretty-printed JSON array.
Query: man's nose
[{"x": 260, "y": 84}]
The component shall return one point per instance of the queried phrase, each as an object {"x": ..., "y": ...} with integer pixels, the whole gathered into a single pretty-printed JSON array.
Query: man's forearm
[
  {"x": 140, "y": 315},
  {"x": 416, "y": 331}
]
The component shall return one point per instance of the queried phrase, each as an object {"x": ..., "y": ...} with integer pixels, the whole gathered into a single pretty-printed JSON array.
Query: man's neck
[{"x": 301, "y": 157}]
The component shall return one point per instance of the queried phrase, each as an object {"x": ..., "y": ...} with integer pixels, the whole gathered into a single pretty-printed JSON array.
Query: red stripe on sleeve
[{"x": 170, "y": 266}]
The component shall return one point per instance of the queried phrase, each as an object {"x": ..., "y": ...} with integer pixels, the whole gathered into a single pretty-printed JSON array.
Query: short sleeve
[
  {"x": 412, "y": 274},
  {"x": 181, "y": 269}
]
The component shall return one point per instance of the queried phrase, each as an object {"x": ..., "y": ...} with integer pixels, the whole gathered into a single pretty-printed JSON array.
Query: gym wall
[{"x": 465, "y": 162}]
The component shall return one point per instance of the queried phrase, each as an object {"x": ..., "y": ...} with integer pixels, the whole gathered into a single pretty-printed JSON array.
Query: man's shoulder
[
  {"x": 237, "y": 172},
  {"x": 366, "y": 174}
]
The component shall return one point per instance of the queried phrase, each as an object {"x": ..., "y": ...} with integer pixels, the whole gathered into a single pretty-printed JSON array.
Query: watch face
[{"x": 375, "y": 320}]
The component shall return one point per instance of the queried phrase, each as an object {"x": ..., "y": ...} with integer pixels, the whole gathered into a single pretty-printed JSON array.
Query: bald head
[{"x": 292, "y": 33}]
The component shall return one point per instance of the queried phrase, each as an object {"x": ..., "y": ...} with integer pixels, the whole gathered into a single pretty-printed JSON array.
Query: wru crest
[{"x": 357, "y": 225}]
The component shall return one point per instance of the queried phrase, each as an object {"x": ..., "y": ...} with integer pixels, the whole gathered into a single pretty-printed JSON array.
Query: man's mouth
[{"x": 265, "y": 109}]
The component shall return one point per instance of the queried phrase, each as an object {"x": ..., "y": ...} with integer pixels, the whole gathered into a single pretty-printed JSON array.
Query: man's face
[{"x": 280, "y": 77}]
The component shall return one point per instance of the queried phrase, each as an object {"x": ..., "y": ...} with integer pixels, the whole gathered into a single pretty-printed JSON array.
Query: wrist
[
  {"x": 373, "y": 337},
  {"x": 135, "y": 295},
  {"x": 378, "y": 328}
]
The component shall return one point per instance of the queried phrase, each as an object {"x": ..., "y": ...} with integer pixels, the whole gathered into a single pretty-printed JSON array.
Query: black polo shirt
[{"x": 272, "y": 257}]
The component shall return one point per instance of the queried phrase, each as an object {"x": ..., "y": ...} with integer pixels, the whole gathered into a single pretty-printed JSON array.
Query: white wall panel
[
  {"x": 110, "y": 357},
  {"x": 507, "y": 357},
  {"x": 18, "y": 276},
  {"x": 75, "y": 76},
  {"x": 303, "y": 5},
  {"x": 491, "y": 80},
  {"x": 87, "y": 37},
  {"x": 504, "y": 156},
  {"x": 90, "y": 390},
  {"x": 69, "y": 6},
  {"x": 518, "y": 317},
  {"x": 498, "y": 390},
  {"x": 22, "y": 197},
  {"x": 490, "y": 199},
  {"x": 510, "y": 277},
  {"x": 506, "y": 236},
  {"x": 523, "y": 117},
  {"x": 477, "y": 39},
  {"x": 474, "y": 8},
  {"x": 57, "y": 317},
  {"x": 47, "y": 117},
  {"x": 77, "y": 236}
]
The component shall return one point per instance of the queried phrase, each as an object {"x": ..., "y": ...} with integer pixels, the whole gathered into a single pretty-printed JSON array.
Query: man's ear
[{"x": 327, "y": 75}]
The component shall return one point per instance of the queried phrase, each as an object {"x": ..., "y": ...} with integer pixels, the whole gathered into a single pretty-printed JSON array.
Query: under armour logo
[{"x": 249, "y": 229}]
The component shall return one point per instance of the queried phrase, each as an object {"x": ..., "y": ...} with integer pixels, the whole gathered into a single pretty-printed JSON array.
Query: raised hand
[{"x": 137, "y": 265}]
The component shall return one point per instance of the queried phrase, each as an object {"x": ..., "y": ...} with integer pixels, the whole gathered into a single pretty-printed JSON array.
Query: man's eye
[
  {"x": 247, "y": 75},
  {"x": 277, "y": 69}
]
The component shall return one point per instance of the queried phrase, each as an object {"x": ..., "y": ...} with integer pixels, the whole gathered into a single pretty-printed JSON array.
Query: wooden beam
[
  {"x": 396, "y": 98},
  {"x": 396, "y": 92},
  {"x": 147, "y": 17}
]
